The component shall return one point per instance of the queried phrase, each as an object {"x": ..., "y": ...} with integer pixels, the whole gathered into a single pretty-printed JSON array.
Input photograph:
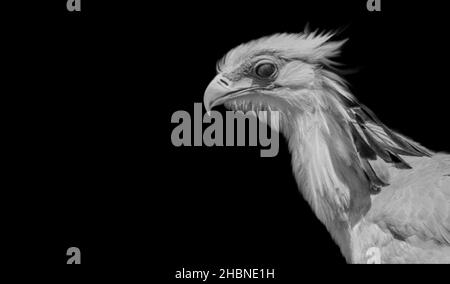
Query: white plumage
[{"x": 370, "y": 186}]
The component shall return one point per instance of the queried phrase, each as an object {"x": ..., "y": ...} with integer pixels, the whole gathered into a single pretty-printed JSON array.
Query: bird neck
[{"x": 325, "y": 167}]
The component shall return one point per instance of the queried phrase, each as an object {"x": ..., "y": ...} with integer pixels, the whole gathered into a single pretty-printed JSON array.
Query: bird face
[
  {"x": 262, "y": 81},
  {"x": 273, "y": 73}
]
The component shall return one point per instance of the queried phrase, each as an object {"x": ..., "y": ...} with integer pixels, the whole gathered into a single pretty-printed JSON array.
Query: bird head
[{"x": 283, "y": 72}]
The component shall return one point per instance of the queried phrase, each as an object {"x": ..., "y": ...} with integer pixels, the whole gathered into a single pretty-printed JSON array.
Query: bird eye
[{"x": 265, "y": 70}]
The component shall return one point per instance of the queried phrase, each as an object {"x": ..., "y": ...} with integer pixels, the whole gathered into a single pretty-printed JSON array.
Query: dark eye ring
[{"x": 265, "y": 70}]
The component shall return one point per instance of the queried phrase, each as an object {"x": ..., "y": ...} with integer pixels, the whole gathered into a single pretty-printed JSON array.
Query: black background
[{"x": 93, "y": 166}]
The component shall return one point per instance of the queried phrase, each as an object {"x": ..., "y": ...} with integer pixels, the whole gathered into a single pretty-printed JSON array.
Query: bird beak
[
  {"x": 218, "y": 88},
  {"x": 222, "y": 89}
]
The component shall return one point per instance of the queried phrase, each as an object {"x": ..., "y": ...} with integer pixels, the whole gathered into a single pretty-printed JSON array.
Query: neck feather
[
  {"x": 327, "y": 171},
  {"x": 313, "y": 166}
]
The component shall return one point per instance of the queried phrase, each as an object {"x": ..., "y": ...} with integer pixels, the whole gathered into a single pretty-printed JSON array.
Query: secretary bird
[{"x": 383, "y": 197}]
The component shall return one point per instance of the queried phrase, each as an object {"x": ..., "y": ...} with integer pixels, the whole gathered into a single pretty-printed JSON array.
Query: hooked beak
[
  {"x": 221, "y": 89},
  {"x": 218, "y": 88}
]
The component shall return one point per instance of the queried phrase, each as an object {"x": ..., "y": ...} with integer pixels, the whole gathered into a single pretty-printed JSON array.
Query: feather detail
[
  {"x": 377, "y": 146},
  {"x": 374, "y": 141},
  {"x": 369, "y": 132},
  {"x": 375, "y": 178},
  {"x": 364, "y": 150},
  {"x": 408, "y": 147}
]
